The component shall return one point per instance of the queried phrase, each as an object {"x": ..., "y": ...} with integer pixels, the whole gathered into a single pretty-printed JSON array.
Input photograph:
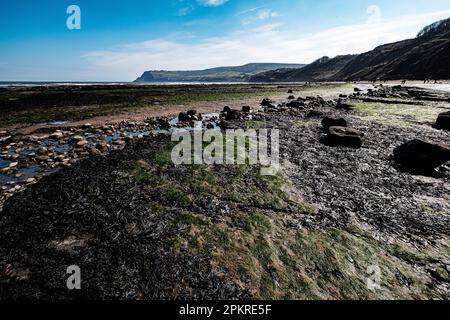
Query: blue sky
[{"x": 118, "y": 40}]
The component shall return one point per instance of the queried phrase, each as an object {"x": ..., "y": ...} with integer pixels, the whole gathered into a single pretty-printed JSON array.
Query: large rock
[
  {"x": 344, "y": 137},
  {"x": 233, "y": 115},
  {"x": 267, "y": 103},
  {"x": 246, "y": 109},
  {"x": 183, "y": 117},
  {"x": 314, "y": 113},
  {"x": 330, "y": 122},
  {"x": 191, "y": 113},
  {"x": 443, "y": 121},
  {"x": 421, "y": 156},
  {"x": 296, "y": 104}
]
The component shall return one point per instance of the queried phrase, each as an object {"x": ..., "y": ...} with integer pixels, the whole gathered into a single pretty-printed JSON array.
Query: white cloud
[
  {"x": 249, "y": 10},
  {"x": 258, "y": 15},
  {"x": 212, "y": 3},
  {"x": 185, "y": 11},
  {"x": 266, "y": 43},
  {"x": 266, "y": 14}
]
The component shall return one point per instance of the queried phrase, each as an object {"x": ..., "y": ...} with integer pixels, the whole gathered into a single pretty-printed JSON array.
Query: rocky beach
[{"x": 364, "y": 182}]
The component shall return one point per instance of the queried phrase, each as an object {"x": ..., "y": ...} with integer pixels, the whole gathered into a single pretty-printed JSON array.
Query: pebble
[
  {"x": 119, "y": 142},
  {"x": 82, "y": 143},
  {"x": 95, "y": 152},
  {"x": 33, "y": 138},
  {"x": 13, "y": 165},
  {"x": 56, "y": 135}
]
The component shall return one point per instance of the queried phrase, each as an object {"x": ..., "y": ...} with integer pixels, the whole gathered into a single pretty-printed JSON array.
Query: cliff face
[
  {"x": 323, "y": 69},
  {"x": 426, "y": 56}
]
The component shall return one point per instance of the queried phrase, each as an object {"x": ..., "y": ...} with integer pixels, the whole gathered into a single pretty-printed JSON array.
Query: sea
[{"x": 18, "y": 84}]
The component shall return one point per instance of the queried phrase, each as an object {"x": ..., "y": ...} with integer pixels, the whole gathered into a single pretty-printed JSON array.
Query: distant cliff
[{"x": 220, "y": 74}]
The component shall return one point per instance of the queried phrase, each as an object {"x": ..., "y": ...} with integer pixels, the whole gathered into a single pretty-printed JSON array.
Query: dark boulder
[
  {"x": 291, "y": 98},
  {"x": 330, "y": 122},
  {"x": 192, "y": 113},
  {"x": 443, "y": 121},
  {"x": 246, "y": 109},
  {"x": 314, "y": 113},
  {"x": 295, "y": 104},
  {"x": 344, "y": 137},
  {"x": 421, "y": 156},
  {"x": 226, "y": 109},
  {"x": 233, "y": 115},
  {"x": 290, "y": 91},
  {"x": 183, "y": 117},
  {"x": 267, "y": 103}
]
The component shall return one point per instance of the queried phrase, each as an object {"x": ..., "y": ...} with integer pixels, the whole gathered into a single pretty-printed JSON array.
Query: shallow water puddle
[
  {"x": 35, "y": 170},
  {"x": 57, "y": 123},
  {"x": 207, "y": 118},
  {"x": 4, "y": 163}
]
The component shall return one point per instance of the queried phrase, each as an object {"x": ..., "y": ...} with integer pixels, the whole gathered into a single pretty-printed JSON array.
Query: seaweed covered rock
[
  {"x": 295, "y": 104},
  {"x": 443, "y": 121},
  {"x": 267, "y": 103},
  {"x": 421, "y": 156},
  {"x": 183, "y": 117},
  {"x": 344, "y": 137},
  {"x": 330, "y": 122}
]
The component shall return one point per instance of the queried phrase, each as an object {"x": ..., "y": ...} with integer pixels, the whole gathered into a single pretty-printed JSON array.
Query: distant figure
[{"x": 404, "y": 81}]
